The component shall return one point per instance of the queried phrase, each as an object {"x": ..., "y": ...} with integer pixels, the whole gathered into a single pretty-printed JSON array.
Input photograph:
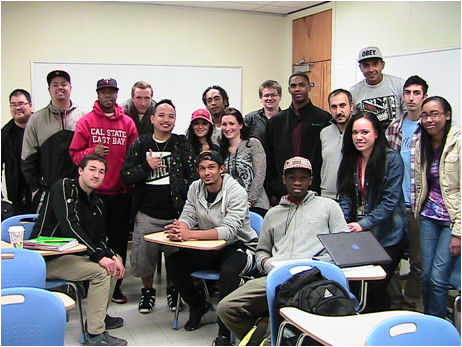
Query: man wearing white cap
[
  {"x": 378, "y": 93},
  {"x": 289, "y": 231}
]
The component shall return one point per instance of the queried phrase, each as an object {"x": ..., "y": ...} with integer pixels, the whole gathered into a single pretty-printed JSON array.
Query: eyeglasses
[
  {"x": 19, "y": 104},
  {"x": 267, "y": 96},
  {"x": 432, "y": 115}
]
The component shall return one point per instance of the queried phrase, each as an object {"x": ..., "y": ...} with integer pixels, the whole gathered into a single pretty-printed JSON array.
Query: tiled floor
[{"x": 153, "y": 329}]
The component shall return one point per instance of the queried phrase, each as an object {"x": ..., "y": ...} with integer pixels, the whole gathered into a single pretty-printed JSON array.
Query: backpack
[{"x": 310, "y": 291}]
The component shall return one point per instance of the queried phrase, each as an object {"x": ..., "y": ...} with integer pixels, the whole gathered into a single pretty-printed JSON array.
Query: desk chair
[
  {"x": 28, "y": 221},
  {"x": 414, "y": 330},
  {"x": 256, "y": 222},
  {"x": 32, "y": 317},
  {"x": 281, "y": 273},
  {"x": 26, "y": 269},
  {"x": 454, "y": 282}
]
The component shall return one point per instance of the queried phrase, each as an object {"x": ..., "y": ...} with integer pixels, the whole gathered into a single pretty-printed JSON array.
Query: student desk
[
  {"x": 204, "y": 245},
  {"x": 76, "y": 249},
  {"x": 338, "y": 331},
  {"x": 68, "y": 302}
]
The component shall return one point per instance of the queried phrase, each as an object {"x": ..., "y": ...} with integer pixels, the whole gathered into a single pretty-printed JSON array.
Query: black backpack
[{"x": 310, "y": 291}]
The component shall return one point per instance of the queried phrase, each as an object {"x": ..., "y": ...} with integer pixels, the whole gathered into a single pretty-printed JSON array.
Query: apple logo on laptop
[{"x": 355, "y": 246}]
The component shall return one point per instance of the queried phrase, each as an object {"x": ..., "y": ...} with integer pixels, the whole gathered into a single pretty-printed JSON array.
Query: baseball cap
[
  {"x": 201, "y": 113},
  {"x": 210, "y": 155},
  {"x": 107, "y": 82},
  {"x": 58, "y": 73},
  {"x": 297, "y": 163},
  {"x": 369, "y": 53}
]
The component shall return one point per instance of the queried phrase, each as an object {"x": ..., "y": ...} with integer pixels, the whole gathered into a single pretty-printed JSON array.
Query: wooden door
[{"x": 312, "y": 42}]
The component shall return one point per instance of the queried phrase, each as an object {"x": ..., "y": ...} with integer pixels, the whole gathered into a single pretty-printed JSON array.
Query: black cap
[
  {"x": 107, "y": 82},
  {"x": 58, "y": 73},
  {"x": 210, "y": 155}
]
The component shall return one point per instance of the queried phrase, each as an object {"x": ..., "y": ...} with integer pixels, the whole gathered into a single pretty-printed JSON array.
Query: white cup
[{"x": 16, "y": 235}]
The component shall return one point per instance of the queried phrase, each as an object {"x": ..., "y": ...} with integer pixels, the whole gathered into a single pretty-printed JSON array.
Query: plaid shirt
[{"x": 394, "y": 136}]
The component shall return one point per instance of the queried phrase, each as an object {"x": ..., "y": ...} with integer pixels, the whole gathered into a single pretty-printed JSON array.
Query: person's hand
[
  {"x": 454, "y": 246},
  {"x": 120, "y": 273},
  {"x": 354, "y": 226},
  {"x": 154, "y": 162},
  {"x": 101, "y": 149},
  {"x": 178, "y": 231},
  {"x": 110, "y": 265}
]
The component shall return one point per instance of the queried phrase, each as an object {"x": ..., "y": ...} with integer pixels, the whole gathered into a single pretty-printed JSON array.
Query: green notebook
[{"x": 46, "y": 243}]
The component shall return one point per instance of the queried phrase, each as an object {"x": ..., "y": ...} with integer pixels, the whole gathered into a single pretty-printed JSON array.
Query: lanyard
[{"x": 362, "y": 187}]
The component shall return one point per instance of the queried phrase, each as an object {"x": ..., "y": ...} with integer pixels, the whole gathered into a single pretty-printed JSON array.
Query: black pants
[
  {"x": 378, "y": 298},
  {"x": 117, "y": 208},
  {"x": 230, "y": 261}
]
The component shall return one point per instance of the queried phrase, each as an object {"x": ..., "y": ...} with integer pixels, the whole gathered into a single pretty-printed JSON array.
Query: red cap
[{"x": 201, "y": 113}]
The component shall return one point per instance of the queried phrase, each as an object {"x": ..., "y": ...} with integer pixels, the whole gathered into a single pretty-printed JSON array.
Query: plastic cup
[{"x": 16, "y": 235}]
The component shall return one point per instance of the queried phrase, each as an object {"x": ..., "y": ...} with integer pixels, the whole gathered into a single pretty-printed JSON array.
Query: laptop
[{"x": 354, "y": 249}]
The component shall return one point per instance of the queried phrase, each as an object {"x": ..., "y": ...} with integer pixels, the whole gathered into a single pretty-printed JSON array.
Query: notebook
[{"x": 354, "y": 249}]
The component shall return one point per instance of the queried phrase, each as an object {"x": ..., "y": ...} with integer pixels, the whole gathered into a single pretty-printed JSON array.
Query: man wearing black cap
[
  {"x": 109, "y": 132},
  {"x": 45, "y": 153},
  {"x": 378, "y": 93},
  {"x": 216, "y": 209}
]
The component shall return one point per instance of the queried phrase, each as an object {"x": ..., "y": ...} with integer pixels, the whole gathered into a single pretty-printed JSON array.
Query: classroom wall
[{"x": 141, "y": 34}]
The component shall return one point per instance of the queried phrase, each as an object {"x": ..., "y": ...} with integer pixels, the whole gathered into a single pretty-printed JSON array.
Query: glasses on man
[
  {"x": 267, "y": 96},
  {"x": 19, "y": 104},
  {"x": 432, "y": 115}
]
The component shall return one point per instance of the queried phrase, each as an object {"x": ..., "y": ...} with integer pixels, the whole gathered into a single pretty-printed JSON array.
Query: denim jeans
[{"x": 437, "y": 265}]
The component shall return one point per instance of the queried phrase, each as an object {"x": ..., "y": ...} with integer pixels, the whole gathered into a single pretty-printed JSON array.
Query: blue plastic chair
[
  {"x": 32, "y": 317},
  {"x": 26, "y": 269},
  {"x": 26, "y": 220},
  {"x": 281, "y": 273},
  {"x": 414, "y": 330},
  {"x": 256, "y": 221}
]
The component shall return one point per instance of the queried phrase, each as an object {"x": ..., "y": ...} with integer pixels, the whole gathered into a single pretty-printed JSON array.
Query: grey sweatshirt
[{"x": 289, "y": 231}]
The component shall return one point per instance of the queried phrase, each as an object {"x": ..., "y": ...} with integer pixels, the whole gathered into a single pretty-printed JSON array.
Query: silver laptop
[{"x": 354, "y": 249}]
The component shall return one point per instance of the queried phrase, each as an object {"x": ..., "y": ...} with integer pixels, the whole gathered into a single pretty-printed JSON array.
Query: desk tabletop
[
  {"x": 68, "y": 302},
  {"x": 205, "y": 245},
  {"x": 76, "y": 249},
  {"x": 338, "y": 331}
]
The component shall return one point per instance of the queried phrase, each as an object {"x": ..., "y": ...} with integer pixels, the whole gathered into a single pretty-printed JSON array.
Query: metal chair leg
[{"x": 177, "y": 312}]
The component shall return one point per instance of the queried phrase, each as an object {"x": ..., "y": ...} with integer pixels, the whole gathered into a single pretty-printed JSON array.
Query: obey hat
[
  {"x": 297, "y": 163},
  {"x": 369, "y": 53},
  {"x": 202, "y": 114},
  {"x": 106, "y": 82},
  {"x": 210, "y": 155},
  {"x": 58, "y": 73}
]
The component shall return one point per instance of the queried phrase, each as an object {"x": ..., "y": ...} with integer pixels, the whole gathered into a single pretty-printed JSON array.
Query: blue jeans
[{"x": 437, "y": 265}]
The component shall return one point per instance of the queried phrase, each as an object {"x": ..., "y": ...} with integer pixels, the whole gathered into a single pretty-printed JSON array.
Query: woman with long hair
[
  {"x": 369, "y": 184},
  {"x": 437, "y": 204},
  {"x": 200, "y": 131},
  {"x": 245, "y": 158}
]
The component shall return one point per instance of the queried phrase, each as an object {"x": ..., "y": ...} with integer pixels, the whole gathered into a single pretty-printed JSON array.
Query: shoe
[
  {"x": 195, "y": 316},
  {"x": 222, "y": 340},
  {"x": 172, "y": 298},
  {"x": 148, "y": 300},
  {"x": 113, "y": 322},
  {"x": 104, "y": 339},
  {"x": 118, "y": 297}
]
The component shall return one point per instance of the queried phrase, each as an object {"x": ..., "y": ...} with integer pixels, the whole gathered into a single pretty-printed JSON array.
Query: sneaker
[
  {"x": 195, "y": 316},
  {"x": 104, "y": 339},
  {"x": 148, "y": 300},
  {"x": 172, "y": 299},
  {"x": 222, "y": 340},
  {"x": 113, "y": 322},
  {"x": 118, "y": 297}
]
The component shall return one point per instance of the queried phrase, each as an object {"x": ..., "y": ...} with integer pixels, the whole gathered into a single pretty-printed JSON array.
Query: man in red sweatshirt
[{"x": 109, "y": 132}]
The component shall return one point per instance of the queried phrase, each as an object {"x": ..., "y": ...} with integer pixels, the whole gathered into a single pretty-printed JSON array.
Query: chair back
[
  {"x": 256, "y": 222},
  {"x": 26, "y": 220},
  {"x": 25, "y": 269},
  {"x": 32, "y": 317},
  {"x": 414, "y": 330},
  {"x": 281, "y": 273}
]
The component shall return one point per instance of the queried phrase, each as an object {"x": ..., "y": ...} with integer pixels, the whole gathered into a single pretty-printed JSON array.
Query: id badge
[{"x": 360, "y": 214}]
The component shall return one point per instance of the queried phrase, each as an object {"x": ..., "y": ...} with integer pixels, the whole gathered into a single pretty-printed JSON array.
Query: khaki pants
[{"x": 80, "y": 268}]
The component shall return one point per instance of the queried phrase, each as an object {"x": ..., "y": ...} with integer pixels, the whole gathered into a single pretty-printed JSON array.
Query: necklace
[{"x": 163, "y": 149}]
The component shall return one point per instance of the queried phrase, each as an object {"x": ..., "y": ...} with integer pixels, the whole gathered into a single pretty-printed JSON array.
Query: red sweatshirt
[{"x": 118, "y": 132}]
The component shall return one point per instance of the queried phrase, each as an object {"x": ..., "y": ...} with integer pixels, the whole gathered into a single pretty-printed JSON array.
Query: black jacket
[
  {"x": 70, "y": 212},
  {"x": 278, "y": 145}
]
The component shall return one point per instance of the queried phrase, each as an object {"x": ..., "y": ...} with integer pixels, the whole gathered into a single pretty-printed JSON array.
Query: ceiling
[{"x": 282, "y": 8}]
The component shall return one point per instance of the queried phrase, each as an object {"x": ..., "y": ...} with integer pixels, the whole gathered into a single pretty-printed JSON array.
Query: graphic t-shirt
[
  {"x": 157, "y": 200},
  {"x": 408, "y": 128}
]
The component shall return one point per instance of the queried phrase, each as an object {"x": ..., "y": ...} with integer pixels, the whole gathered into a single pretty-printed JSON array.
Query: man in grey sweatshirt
[
  {"x": 216, "y": 209},
  {"x": 289, "y": 231}
]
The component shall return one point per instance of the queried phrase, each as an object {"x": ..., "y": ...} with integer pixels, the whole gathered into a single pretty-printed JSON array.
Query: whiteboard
[
  {"x": 184, "y": 85},
  {"x": 440, "y": 68}
]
